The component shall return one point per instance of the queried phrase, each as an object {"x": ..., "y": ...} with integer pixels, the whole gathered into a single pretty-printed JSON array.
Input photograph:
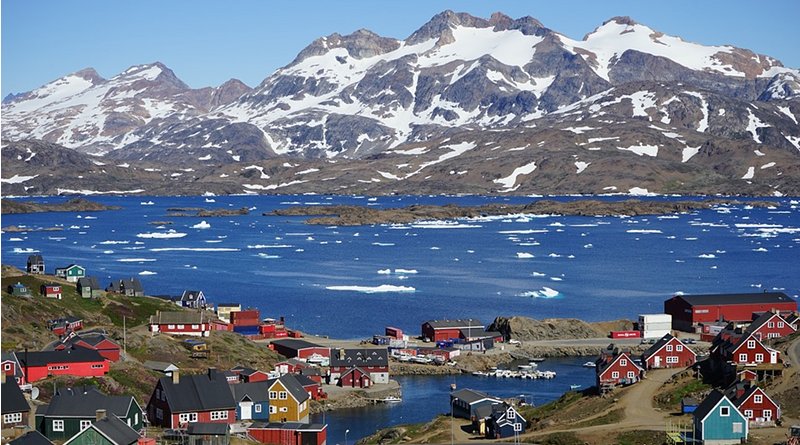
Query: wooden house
[
  {"x": 748, "y": 350},
  {"x": 12, "y": 370},
  {"x": 312, "y": 387},
  {"x": 165, "y": 368},
  {"x": 50, "y": 291},
  {"x": 689, "y": 310},
  {"x": 615, "y": 368},
  {"x": 716, "y": 421},
  {"x": 94, "y": 341},
  {"x": 354, "y": 377},
  {"x": 288, "y": 401},
  {"x": 178, "y": 401},
  {"x": 770, "y": 325},
  {"x": 747, "y": 375},
  {"x": 15, "y": 408},
  {"x": 32, "y": 437},
  {"x": 19, "y": 290},
  {"x": 71, "y": 273},
  {"x": 504, "y": 422},
  {"x": 298, "y": 348},
  {"x": 289, "y": 433},
  {"x": 252, "y": 400},
  {"x": 465, "y": 403},
  {"x": 755, "y": 404},
  {"x": 194, "y": 299},
  {"x": 89, "y": 287},
  {"x": 180, "y": 323},
  {"x": 79, "y": 362},
  {"x": 208, "y": 434},
  {"x": 35, "y": 264},
  {"x": 105, "y": 430},
  {"x": 438, "y": 330},
  {"x": 72, "y": 410},
  {"x": 249, "y": 375},
  {"x": 130, "y": 288},
  {"x": 65, "y": 325},
  {"x": 374, "y": 362},
  {"x": 668, "y": 352}
]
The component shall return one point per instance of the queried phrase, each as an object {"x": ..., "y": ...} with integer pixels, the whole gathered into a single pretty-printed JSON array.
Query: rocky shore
[
  {"x": 201, "y": 212},
  {"x": 73, "y": 205},
  {"x": 350, "y": 215}
]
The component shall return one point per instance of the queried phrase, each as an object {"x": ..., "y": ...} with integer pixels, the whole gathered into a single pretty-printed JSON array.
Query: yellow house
[
  {"x": 288, "y": 400},
  {"x": 224, "y": 310}
]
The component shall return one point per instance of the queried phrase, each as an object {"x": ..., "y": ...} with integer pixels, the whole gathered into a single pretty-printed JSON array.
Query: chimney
[
  {"x": 212, "y": 373},
  {"x": 176, "y": 377},
  {"x": 100, "y": 414}
]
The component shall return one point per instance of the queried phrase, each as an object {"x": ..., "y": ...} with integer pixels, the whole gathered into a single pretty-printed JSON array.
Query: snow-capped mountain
[{"x": 623, "y": 95}]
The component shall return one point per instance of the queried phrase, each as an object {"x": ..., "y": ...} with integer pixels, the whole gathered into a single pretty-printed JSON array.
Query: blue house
[
  {"x": 718, "y": 422},
  {"x": 465, "y": 403},
  {"x": 252, "y": 400},
  {"x": 504, "y": 421}
]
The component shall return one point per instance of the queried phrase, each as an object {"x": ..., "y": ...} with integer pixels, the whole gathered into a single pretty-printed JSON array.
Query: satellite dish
[{"x": 34, "y": 393}]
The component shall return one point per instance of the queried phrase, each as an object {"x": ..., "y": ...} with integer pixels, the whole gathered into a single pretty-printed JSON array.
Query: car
[{"x": 689, "y": 341}]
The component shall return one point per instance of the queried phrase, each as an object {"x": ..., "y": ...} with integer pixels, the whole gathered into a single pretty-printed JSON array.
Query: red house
[
  {"x": 438, "y": 330},
  {"x": 79, "y": 362},
  {"x": 180, "y": 323},
  {"x": 616, "y": 368},
  {"x": 755, "y": 404},
  {"x": 291, "y": 366},
  {"x": 688, "y": 310},
  {"x": 249, "y": 375},
  {"x": 289, "y": 433},
  {"x": 312, "y": 387},
  {"x": 297, "y": 348},
  {"x": 747, "y": 375},
  {"x": 61, "y": 326},
  {"x": 668, "y": 352},
  {"x": 94, "y": 341},
  {"x": 770, "y": 325},
  {"x": 374, "y": 362},
  {"x": 12, "y": 368},
  {"x": 355, "y": 377},
  {"x": 51, "y": 291},
  {"x": 749, "y": 350},
  {"x": 178, "y": 401}
]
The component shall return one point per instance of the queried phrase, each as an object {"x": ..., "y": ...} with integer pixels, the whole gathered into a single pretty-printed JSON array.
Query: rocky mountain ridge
[{"x": 464, "y": 104}]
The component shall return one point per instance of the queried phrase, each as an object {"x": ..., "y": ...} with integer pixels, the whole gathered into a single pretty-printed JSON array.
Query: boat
[
  {"x": 391, "y": 399},
  {"x": 574, "y": 386},
  {"x": 480, "y": 374},
  {"x": 590, "y": 365},
  {"x": 538, "y": 359}
]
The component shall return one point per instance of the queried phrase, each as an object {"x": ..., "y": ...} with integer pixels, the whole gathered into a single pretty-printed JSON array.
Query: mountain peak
[
  {"x": 89, "y": 74},
  {"x": 445, "y": 20},
  {"x": 360, "y": 44},
  {"x": 621, "y": 20}
]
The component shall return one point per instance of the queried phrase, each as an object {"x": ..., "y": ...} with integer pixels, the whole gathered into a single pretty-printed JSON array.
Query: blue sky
[{"x": 207, "y": 42}]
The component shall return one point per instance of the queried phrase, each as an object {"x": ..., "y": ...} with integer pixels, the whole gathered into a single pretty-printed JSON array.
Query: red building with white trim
[
  {"x": 51, "y": 291},
  {"x": 616, "y": 368},
  {"x": 755, "y": 404},
  {"x": 747, "y": 351},
  {"x": 770, "y": 325},
  {"x": 79, "y": 362},
  {"x": 180, "y": 323},
  {"x": 438, "y": 330},
  {"x": 94, "y": 341},
  {"x": 178, "y": 401},
  {"x": 289, "y": 433},
  {"x": 297, "y": 348},
  {"x": 668, "y": 352},
  {"x": 689, "y": 310}
]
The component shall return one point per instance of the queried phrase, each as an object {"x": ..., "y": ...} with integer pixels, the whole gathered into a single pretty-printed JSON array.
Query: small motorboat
[
  {"x": 574, "y": 386},
  {"x": 392, "y": 399},
  {"x": 590, "y": 365}
]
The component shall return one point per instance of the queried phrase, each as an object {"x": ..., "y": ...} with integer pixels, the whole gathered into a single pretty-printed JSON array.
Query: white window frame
[
  {"x": 770, "y": 324},
  {"x": 738, "y": 427},
  {"x": 85, "y": 424},
  {"x": 258, "y": 407},
  {"x": 284, "y": 409},
  {"x": 780, "y": 325},
  {"x": 623, "y": 362},
  {"x": 614, "y": 374},
  {"x": 724, "y": 411},
  {"x": 273, "y": 395},
  {"x": 273, "y": 409},
  {"x": 180, "y": 326},
  {"x": 672, "y": 359},
  {"x": 669, "y": 348},
  {"x": 195, "y": 326},
  {"x": 758, "y": 399},
  {"x": 759, "y": 358},
  {"x": 219, "y": 415},
  {"x": 767, "y": 414},
  {"x": 631, "y": 374},
  {"x": 12, "y": 418},
  {"x": 58, "y": 425},
  {"x": 283, "y": 395},
  {"x": 159, "y": 413},
  {"x": 170, "y": 326},
  {"x": 743, "y": 358},
  {"x": 187, "y": 417},
  {"x": 748, "y": 413},
  {"x": 751, "y": 344},
  {"x": 678, "y": 348},
  {"x": 6, "y": 366}
]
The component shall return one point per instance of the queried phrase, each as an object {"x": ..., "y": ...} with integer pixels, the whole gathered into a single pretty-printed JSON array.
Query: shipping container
[
  {"x": 625, "y": 334},
  {"x": 249, "y": 317},
  {"x": 246, "y": 330},
  {"x": 394, "y": 332}
]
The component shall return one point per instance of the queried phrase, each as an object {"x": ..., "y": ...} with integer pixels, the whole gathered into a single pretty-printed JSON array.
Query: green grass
[
  {"x": 674, "y": 397},
  {"x": 566, "y": 438},
  {"x": 613, "y": 416},
  {"x": 551, "y": 408},
  {"x": 135, "y": 310},
  {"x": 641, "y": 438}
]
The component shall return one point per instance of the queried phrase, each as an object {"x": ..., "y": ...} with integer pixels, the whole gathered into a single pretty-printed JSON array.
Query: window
[
  {"x": 631, "y": 374},
  {"x": 780, "y": 325},
  {"x": 273, "y": 395},
  {"x": 58, "y": 425},
  {"x": 751, "y": 344},
  {"x": 743, "y": 358},
  {"x": 283, "y": 395},
  {"x": 58, "y": 368},
  {"x": 187, "y": 417},
  {"x": 273, "y": 409},
  {"x": 770, "y": 324},
  {"x": 737, "y": 427},
  {"x": 97, "y": 366},
  {"x": 12, "y": 418},
  {"x": 170, "y": 326},
  {"x": 284, "y": 409},
  {"x": 767, "y": 414},
  {"x": 180, "y": 326},
  {"x": 195, "y": 326},
  {"x": 85, "y": 424},
  {"x": 158, "y": 394},
  {"x": 672, "y": 359},
  {"x": 6, "y": 366},
  {"x": 614, "y": 375},
  {"x": 136, "y": 418},
  {"x": 159, "y": 413},
  {"x": 757, "y": 398},
  {"x": 517, "y": 427},
  {"x": 669, "y": 348},
  {"x": 748, "y": 413},
  {"x": 678, "y": 348},
  {"x": 258, "y": 408},
  {"x": 759, "y": 358},
  {"x": 219, "y": 415},
  {"x": 623, "y": 362},
  {"x": 724, "y": 411}
]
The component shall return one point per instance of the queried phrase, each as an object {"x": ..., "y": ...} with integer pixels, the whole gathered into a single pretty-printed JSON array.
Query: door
[
  {"x": 657, "y": 361},
  {"x": 247, "y": 410}
]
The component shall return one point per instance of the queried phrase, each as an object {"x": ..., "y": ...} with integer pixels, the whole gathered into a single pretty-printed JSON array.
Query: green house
[
  {"x": 105, "y": 431},
  {"x": 19, "y": 290},
  {"x": 718, "y": 422},
  {"x": 71, "y": 273},
  {"x": 72, "y": 410}
]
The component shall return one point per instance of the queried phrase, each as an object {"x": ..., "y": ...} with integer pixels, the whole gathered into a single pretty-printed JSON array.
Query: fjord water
[{"x": 593, "y": 268}]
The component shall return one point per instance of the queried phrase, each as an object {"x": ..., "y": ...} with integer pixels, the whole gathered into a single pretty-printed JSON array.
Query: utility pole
[{"x": 124, "y": 338}]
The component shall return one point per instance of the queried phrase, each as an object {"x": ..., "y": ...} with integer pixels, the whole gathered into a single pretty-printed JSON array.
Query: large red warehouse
[
  {"x": 296, "y": 348},
  {"x": 688, "y": 310},
  {"x": 437, "y": 330}
]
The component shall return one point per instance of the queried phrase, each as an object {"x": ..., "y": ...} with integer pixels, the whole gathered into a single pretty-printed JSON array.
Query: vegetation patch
[
  {"x": 672, "y": 394},
  {"x": 564, "y": 438},
  {"x": 612, "y": 416},
  {"x": 638, "y": 437}
]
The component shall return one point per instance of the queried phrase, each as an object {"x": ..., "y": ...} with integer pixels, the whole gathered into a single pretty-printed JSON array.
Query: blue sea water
[{"x": 593, "y": 268}]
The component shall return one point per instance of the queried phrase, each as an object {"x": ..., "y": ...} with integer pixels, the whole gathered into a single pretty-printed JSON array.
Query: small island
[
  {"x": 201, "y": 212},
  {"x": 352, "y": 215},
  {"x": 73, "y": 205}
]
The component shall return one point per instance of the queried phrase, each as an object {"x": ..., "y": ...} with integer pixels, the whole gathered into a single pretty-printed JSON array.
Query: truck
[{"x": 197, "y": 348}]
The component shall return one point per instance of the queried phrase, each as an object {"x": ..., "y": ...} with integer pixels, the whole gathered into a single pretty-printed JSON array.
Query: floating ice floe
[
  {"x": 194, "y": 249},
  {"x": 146, "y": 203},
  {"x": 444, "y": 225},
  {"x": 706, "y": 255},
  {"x": 201, "y": 225},
  {"x": 108, "y": 252},
  {"x": 268, "y": 256},
  {"x": 15, "y": 239},
  {"x": 556, "y": 279},
  {"x": 524, "y": 255},
  {"x": 373, "y": 289},
  {"x": 269, "y": 246},
  {"x": 147, "y": 272},
  {"x": 114, "y": 242},
  {"x": 24, "y": 250},
  {"x": 522, "y": 232},
  {"x": 383, "y": 244},
  {"x": 171, "y": 233},
  {"x": 544, "y": 292},
  {"x": 385, "y": 271},
  {"x": 643, "y": 231},
  {"x": 760, "y": 249},
  {"x": 136, "y": 260},
  {"x": 538, "y": 274}
]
